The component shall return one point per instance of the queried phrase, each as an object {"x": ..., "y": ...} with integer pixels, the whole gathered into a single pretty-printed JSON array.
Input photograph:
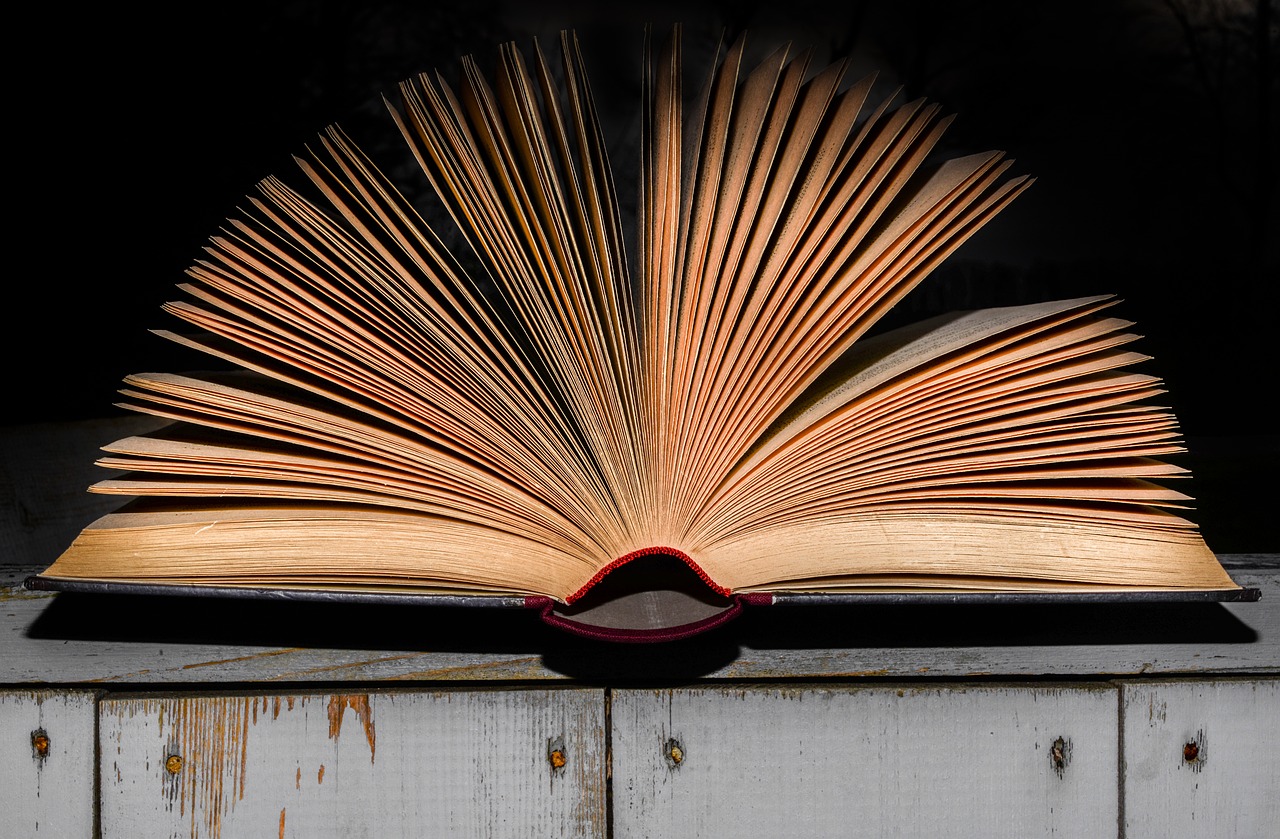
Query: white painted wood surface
[
  {"x": 883, "y": 761},
  {"x": 47, "y": 757},
  {"x": 52, "y": 638},
  {"x": 1202, "y": 759},
  {"x": 419, "y": 764}
]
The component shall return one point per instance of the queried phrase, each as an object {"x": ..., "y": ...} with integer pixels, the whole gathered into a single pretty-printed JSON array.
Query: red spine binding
[{"x": 623, "y": 560}]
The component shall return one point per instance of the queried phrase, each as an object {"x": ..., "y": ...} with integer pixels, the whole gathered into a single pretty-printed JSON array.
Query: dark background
[{"x": 1150, "y": 125}]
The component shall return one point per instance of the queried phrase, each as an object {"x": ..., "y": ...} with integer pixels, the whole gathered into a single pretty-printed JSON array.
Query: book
[{"x": 547, "y": 399}]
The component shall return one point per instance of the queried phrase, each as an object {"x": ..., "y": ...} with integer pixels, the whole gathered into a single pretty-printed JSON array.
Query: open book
[{"x": 570, "y": 396}]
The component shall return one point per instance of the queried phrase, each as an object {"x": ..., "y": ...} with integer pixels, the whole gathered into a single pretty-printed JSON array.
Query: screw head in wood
[
  {"x": 40, "y": 743},
  {"x": 556, "y": 755}
]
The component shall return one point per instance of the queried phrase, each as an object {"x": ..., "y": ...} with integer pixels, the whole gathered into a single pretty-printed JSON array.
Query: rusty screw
[
  {"x": 1191, "y": 751},
  {"x": 173, "y": 764},
  {"x": 40, "y": 743},
  {"x": 556, "y": 754},
  {"x": 1059, "y": 754}
]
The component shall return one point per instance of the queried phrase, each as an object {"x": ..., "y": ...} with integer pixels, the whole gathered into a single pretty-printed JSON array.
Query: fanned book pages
[{"x": 704, "y": 387}]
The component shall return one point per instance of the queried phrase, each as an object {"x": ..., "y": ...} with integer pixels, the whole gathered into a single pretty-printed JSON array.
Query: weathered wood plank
[
  {"x": 1199, "y": 758},
  {"x": 867, "y": 761},
  {"x": 47, "y": 772},
  {"x": 384, "y": 764},
  {"x": 86, "y": 639}
]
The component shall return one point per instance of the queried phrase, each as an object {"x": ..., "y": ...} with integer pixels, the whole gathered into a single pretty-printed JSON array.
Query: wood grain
[
  {"x": 47, "y": 763},
  {"x": 1200, "y": 758},
  {"x": 103, "y": 640},
  {"x": 987, "y": 761},
  {"x": 384, "y": 764}
]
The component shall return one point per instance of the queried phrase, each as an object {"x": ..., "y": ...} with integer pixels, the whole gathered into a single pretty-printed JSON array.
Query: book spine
[
  {"x": 653, "y": 551},
  {"x": 547, "y": 613}
]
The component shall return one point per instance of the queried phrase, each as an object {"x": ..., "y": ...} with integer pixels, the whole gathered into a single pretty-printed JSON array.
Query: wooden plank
[
  {"x": 870, "y": 761},
  {"x": 47, "y": 742},
  {"x": 89, "y": 639},
  {"x": 385, "y": 764},
  {"x": 1199, "y": 758}
]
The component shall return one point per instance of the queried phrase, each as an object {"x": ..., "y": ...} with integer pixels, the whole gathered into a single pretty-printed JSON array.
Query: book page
[
  {"x": 874, "y": 361},
  {"x": 523, "y": 415},
  {"x": 1045, "y": 554}
]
